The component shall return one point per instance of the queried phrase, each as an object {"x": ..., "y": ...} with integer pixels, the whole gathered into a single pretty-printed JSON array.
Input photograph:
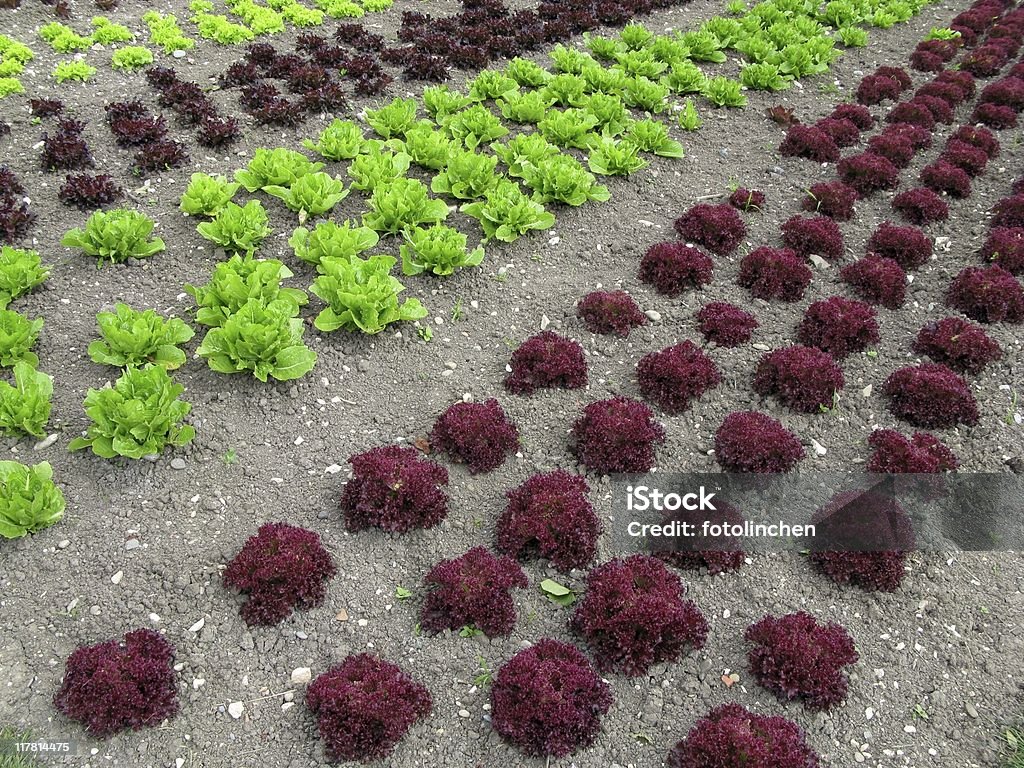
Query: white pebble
[
  {"x": 235, "y": 709},
  {"x": 301, "y": 675},
  {"x": 333, "y": 469},
  {"x": 197, "y": 626},
  {"x": 46, "y": 442},
  {"x": 116, "y": 578}
]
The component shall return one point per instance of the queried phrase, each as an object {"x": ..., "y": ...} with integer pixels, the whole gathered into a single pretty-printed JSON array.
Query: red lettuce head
[
  {"x": 718, "y": 228},
  {"x": 633, "y": 616},
  {"x": 282, "y": 567},
  {"x": 930, "y": 396},
  {"x": 606, "y": 312},
  {"x": 472, "y": 589},
  {"x": 550, "y": 516},
  {"x": 617, "y": 435},
  {"x": 548, "y": 700},
  {"x": 795, "y": 657},
  {"x": 364, "y": 706},
  {"x": 676, "y": 376},
  {"x": 749, "y": 441},
  {"x": 731, "y": 736},
  {"x": 112, "y": 686},
  {"x": 477, "y": 434},
  {"x": 546, "y": 361},
  {"x": 394, "y": 489}
]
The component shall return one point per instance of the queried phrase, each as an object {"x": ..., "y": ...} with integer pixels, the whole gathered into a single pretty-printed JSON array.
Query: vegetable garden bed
[{"x": 337, "y": 447}]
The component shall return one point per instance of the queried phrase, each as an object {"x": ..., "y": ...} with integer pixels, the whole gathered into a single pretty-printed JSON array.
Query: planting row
[{"x": 547, "y": 700}]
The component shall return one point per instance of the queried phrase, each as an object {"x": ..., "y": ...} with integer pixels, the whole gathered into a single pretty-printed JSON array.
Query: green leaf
[
  {"x": 616, "y": 158},
  {"x": 439, "y": 249},
  {"x": 293, "y": 362},
  {"x": 468, "y": 175},
  {"x": 239, "y": 279},
  {"x": 557, "y": 593},
  {"x": 392, "y": 119},
  {"x": 377, "y": 166},
  {"x": 313, "y": 193},
  {"x": 490, "y": 84},
  {"x": 341, "y": 140},
  {"x": 440, "y": 101},
  {"x": 563, "y": 180},
  {"x": 569, "y": 128},
  {"x": 506, "y": 213},
  {"x": 474, "y": 126},
  {"x": 402, "y": 205},
  {"x": 526, "y": 148},
  {"x": 330, "y": 239},
  {"x": 426, "y": 146}
]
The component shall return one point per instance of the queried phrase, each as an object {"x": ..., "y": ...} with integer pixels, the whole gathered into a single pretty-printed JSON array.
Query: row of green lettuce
[
  {"x": 29, "y": 499},
  {"x": 165, "y": 33}
]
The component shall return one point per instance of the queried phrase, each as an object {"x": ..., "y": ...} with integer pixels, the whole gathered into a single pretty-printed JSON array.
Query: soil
[{"x": 939, "y": 675}]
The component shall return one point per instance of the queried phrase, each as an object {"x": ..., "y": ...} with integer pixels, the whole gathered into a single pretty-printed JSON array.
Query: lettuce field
[{"x": 329, "y": 329}]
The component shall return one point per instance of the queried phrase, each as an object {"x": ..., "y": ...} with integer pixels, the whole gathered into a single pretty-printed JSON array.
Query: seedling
[
  {"x": 470, "y": 631},
  {"x": 832, "y": 408},
  {"x": 230, "y": 457},
  {"x": 425, "y": 332},
  {"x": 688, "y": 119},
  {"x": 1011, "y": 413},
  {"x": 402, "y": 593},
  {"x": 485, "y": 676}
]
